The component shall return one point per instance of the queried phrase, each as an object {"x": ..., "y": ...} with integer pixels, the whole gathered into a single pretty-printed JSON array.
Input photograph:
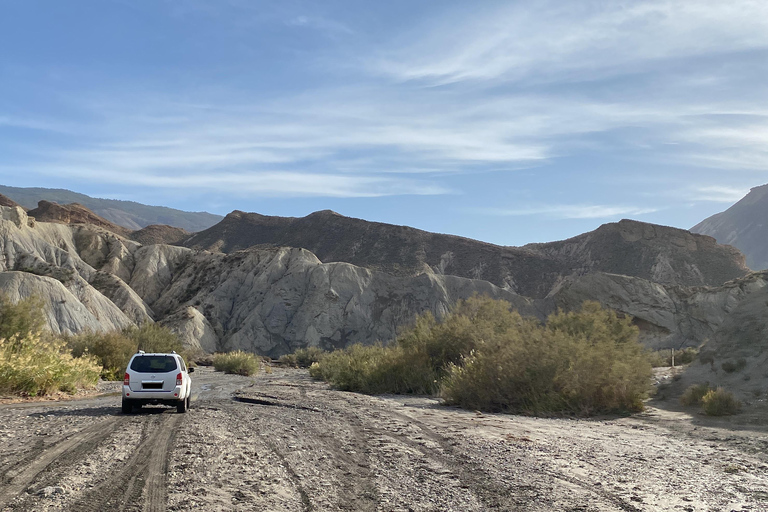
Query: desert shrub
[
  {"x": 237, "y": 362},
  {"x": 303, "y": 357},
  {"x": 112, "y": 350},
  {"x": 375, "y": 369},
  {"x": 734, "y": 366},
  {"x": 583, "y": 362},
  {"x": 694, "y": 394},
  {"x": 485, "y": 356},
  {"x": 153, "y": 337},
  {"x": 719, "y": 402},
  {"x": 663, "y": 357},
  {"x": 33, "y": 364},
  {"x": 21, "y": 318}
]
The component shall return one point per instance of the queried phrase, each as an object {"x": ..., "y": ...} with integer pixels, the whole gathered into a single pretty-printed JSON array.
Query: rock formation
[
  {"x": 160, "y": 234},
  {"x": 6, "y": 201},
  {"x": 659, "y": 253},
  {"x": 273, "y": 300},
  {"x": 74, "y": 213}
]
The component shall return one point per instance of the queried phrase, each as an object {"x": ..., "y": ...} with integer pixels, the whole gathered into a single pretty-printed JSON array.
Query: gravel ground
[{"x": 281, "y": 442}]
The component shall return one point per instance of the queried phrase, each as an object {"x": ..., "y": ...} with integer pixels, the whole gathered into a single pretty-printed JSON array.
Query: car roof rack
[{"x": 141, "y": 352}]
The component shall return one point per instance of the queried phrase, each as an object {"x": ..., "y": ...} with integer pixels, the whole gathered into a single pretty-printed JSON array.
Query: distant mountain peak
[
  {"x": 744, "y": 225},
  {"x": 128, "y": 214}
]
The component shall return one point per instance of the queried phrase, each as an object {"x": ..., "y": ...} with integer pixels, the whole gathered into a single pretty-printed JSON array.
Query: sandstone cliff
[
  {"x": 274, "y": 301},
  {"x": 270, "y": 301}
]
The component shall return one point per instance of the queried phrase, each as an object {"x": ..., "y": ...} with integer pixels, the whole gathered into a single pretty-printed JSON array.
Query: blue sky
[{"x": 509, "y": 122}]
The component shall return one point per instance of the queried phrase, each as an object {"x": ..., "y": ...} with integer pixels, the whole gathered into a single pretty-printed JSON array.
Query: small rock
[{"x": 51, "y": 491}]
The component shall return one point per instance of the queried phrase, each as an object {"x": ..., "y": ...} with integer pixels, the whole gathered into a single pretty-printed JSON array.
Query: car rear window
[{"x": 153, "y": 364}]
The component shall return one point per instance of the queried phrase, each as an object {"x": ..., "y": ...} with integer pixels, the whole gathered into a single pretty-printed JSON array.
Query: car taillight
[
  {"x": 178, "y": 380},
  {"x": 127, "y": 379}
]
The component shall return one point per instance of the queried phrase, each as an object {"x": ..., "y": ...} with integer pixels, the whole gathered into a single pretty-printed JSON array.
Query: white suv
[{"x": 156, "y": 379}]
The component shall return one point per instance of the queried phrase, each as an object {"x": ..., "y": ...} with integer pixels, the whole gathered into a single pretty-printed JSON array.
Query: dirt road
[{"x": 281, "y": 442}]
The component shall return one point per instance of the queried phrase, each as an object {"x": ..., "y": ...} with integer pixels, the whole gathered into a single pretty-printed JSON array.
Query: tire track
[
  {"x": 306, "y": 503},
  {"x": 448, "y": 447},
  {"x": 143, "y": 474},
  {"x": 64, "y": 453},
  {"x": 356, "y": 490},
  {"x": 494, "y": 495}
]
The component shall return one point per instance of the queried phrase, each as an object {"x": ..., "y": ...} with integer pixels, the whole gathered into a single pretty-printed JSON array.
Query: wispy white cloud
[
  {"x": 718, "y": 194},
  {"x": 373, "y": 137},
  {"x": 261, "y": 184},
  {"x": 541, "y": 40},
  {"x": 566, "y": 211},
  {"x": 36, "y": 123}
]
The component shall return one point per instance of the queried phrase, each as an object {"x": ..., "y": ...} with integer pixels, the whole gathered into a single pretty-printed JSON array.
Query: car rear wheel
[
  {"x": 127, "y": 406},
  {"x": 183, "y": 405}
]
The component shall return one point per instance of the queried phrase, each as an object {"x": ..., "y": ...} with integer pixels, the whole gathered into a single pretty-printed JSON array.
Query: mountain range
[
  {"x": 128, "y": 214},
  {"x": 272, "y": 285}
]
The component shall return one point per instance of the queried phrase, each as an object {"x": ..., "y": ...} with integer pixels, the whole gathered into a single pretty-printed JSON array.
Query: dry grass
[{"x": 36, "y": 364}]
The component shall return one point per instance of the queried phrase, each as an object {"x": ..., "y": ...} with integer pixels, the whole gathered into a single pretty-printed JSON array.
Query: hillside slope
[
  {"x": 658, "y": 253},
  {"x": 128, "y": 214},
  {"x": 744, "y": 226},
  {"x": 74, "y": 213}
]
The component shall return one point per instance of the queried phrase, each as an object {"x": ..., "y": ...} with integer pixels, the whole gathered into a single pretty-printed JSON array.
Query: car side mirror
[{"x": 191, "y": 370}]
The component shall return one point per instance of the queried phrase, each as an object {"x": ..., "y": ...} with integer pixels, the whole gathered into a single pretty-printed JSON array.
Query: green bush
[
  {"x": 112, "y": 350},
  {"x": 237, "y": 362},
  {"x": 584, "y": 362},
  {"x": 719, "y": 402},
  {"x": 484, "y": 356},
  {"x": 153, "y": 337},
  {"x": 734, "y": 366},
  {"x": 34, "y": 364},
  {"x": 21, "y": 318},
  {"x": 303, "y": 357},
  {"x": 694, "y": 394},
  {"x": 375, "y": 369}
]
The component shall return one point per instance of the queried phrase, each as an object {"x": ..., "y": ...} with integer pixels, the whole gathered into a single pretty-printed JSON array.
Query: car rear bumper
[{"x": 176, "y": 394}]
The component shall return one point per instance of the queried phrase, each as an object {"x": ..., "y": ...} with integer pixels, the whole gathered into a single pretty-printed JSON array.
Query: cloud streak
[
  {"x": 718, "y": 194},
  {"x": 574, "y": 40},
  {"x": 566, "y": 211}
]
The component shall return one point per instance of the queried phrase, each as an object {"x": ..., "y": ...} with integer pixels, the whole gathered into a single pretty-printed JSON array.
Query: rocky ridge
[
  {"x": 7, "y": 201},
  {"x": 160, "y": 234},
  {"x": 73, "y": 213},
  {"x": 659, "y": 253}
]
